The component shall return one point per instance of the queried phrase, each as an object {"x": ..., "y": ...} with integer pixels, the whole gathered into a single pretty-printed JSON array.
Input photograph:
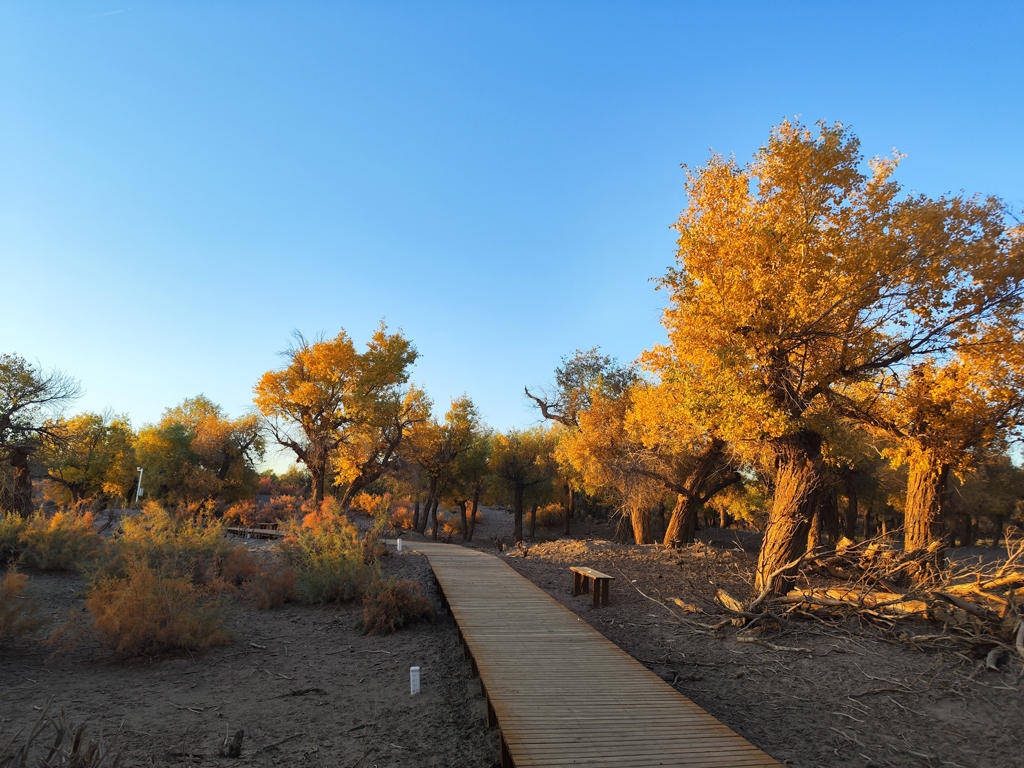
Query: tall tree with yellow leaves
[
  {"x": 945, "y": 418},
  {"x": 802, "y": 272},
  {"x": 94, "y": 456},
  {"x": 328, "y": 393},
  {"x": 522, "y": 461},
  {"x": 638, "y": 445}
]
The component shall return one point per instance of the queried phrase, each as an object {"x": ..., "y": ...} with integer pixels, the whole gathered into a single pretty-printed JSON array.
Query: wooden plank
[{"x": 561, "y": 693}]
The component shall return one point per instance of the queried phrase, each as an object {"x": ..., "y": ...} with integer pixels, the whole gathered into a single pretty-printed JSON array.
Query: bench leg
[
  {"x": 585, "y": 582},
  {"x": 575, "y": 584}
]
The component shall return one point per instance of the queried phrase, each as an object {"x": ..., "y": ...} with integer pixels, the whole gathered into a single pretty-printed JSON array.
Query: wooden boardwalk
[{"x": 560, "y": 693}]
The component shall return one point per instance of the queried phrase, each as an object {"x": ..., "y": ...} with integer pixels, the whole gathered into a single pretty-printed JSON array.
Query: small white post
[
  {"x": 398, "y": 543},
  {"x": 414, "y": 680}
]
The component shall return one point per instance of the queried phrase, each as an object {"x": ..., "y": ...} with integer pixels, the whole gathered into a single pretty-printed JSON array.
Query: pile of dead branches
[{"x": 918, "y": 597}]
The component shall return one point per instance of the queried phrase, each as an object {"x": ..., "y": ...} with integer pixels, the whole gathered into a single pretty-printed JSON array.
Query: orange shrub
[
  {"x": 283, "y": 507},
  {"x": 401, "y": 518},
  {"x": 239, "y": 566},
  {"x": 63, "y": 541},
  {"x": 451, "y": 524},
  {"x": 392, "y": 603},
  {"x": 144, "y": 613},
  {"x": 16, "y": 615},
  {"x": 551, "y": 515},
  {"x": 273, "y": 586}
]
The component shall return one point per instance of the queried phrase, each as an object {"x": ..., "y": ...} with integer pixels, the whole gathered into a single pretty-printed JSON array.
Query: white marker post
[
  {"x": 398, "y": 543},
  {"x": 414, "y": 680}
]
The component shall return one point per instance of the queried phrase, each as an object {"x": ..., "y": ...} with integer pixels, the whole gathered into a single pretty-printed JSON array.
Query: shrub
[
  {"x": 327, "y": 556},
  {"x": 392, "y": 603},
  {"x": 63, "y": 541},
  {"x": 11, "y": 527},
  {"x": 401, "y": 518},
  {"x": 146, "y": 613},
  {"x": 274, "y": 585},
  {"x": 451, "y": 524},
  {"x": 16, "y": 615},
  {"x": 551, "y": 515},
  {"x": 283, "y": 507},
  {"x": 177, "y": 544}
]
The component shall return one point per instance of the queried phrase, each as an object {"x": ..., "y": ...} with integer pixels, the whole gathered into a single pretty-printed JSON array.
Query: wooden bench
[{"x": 581, "y": 578}]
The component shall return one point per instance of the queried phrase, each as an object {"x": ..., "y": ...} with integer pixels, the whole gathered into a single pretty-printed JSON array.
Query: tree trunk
[
  {"x": 463, "y": 517},
  {"x": 570, "y": 507},
  {"x": 682, "y": 523},
  {"x": 434, "y": 521},
  {"x": 472, "y": 516},
  {"x": 416, "y": 515},
  {"x": 622, "y": 528},
  {"x": 797, "y": 484},
  {"x": 724, "y": 518},
  {"x": 852, "y": 513},
  {"x": 517, "y": 515},
  {"x": 21, "y": 481},
  {"x": 641, "y": 519},
  {"x": 318, "y": 478},
  {"x": 998, "y": 536},
  {"x": 869, "y": 530},
  {"x": 814, "y": 532},
  {"x": 926, "y": 485},
  {"x": 533, "y": 521}
]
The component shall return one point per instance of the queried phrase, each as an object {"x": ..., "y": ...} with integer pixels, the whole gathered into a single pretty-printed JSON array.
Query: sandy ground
[
  {"x": 856, "y": 699},
  {"x": 297, "y": 672}
]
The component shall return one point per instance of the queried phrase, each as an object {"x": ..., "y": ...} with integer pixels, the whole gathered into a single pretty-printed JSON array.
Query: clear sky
[{"x": 182, "y": 184}]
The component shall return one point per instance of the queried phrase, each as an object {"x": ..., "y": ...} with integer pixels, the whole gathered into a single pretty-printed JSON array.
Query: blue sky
[{"x": 183, "y": 184}]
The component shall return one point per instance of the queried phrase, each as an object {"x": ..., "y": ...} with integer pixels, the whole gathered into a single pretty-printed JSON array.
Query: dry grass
[{"x": 70, "y": 747}]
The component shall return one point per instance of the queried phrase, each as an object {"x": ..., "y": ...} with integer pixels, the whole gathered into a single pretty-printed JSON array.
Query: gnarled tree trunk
[
  {"x": 570, "y": 507},
  {"x": 682, "y": 523},
  {"x": 926, "y": 486},
  {"x": 517, "y": 514},
  {"x": 471, "y": 526},
  {"x": 798, "y": 479},
  {"x": 17, "y": 497},
  {"x": 640, "y": 517}
]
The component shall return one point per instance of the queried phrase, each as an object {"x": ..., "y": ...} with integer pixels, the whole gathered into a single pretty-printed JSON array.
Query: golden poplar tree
[{"x": 804, "y": 271}]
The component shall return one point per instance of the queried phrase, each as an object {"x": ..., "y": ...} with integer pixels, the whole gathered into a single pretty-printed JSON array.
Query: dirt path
[{"x": 298, "y": 672}]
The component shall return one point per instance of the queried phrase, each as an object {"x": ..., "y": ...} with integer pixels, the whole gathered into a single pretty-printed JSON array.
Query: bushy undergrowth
[
  {"x": 173, "y": 544},
  {"x": 11, "y": 526},
  {"x": 272, "y": 586},
  {"x": 551, "y": 515},
  {"x": 327, "y": 556},
  {"x": 390, "y": 604},
  {"x": 145, "y": 612},
  {"x": 63, "y": 541},
  {"x": 16, "y": 615}
]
